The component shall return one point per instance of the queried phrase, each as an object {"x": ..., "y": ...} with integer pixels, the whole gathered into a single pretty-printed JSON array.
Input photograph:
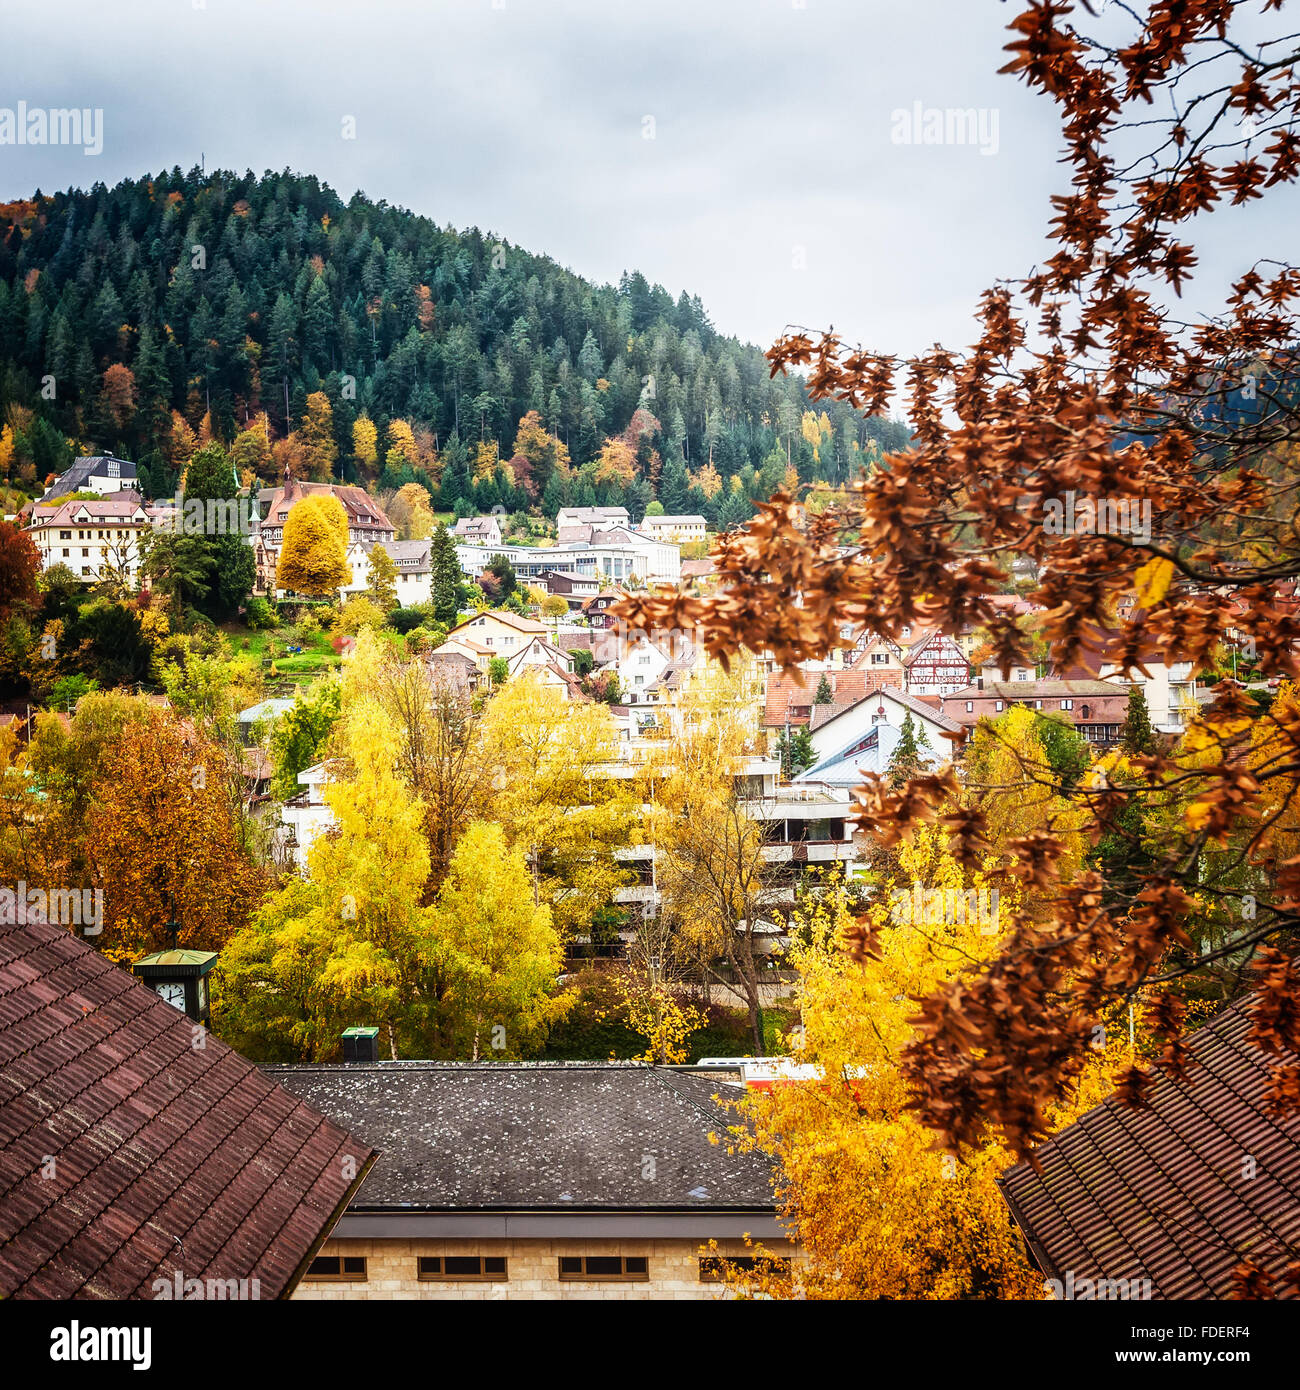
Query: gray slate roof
[
  {"x": 90, "y": 465},
  {"x": 539, "y": 1136}
]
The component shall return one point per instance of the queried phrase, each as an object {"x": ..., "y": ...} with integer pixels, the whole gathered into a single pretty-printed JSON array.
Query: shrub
[
  {"x": 406, "y": 619},
  {"x": 259, "y": 615},
  {"x": 359, "y": 612}
]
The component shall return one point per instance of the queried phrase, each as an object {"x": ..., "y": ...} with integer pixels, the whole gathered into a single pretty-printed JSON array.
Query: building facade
[{"x": 515, "y": 1180}]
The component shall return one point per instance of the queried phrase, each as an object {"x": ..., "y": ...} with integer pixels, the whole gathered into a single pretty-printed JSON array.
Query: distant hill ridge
[{"x": 136, "y": 318}]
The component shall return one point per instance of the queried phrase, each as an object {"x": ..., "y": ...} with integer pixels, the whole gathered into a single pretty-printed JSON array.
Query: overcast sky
[{"x": 775, "y": 184}]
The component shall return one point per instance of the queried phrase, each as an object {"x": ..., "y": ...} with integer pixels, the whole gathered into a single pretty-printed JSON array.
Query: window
[
  {"x": 1084, "y": 711},
  {"x": 970, "y": 706},
  {"x": 338, "y": 1268},
  {"x": 1067, "y": 704},
  {"x": 626, "y": 1267},
  {"x": 463, "y": 1268},
  {"x": 65, "y": 536},
  {"x": 713, "y": 1268},
  {"x": 998, "y": 706}
]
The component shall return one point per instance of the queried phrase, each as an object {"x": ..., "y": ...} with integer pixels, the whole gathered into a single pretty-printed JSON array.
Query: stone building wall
[{"x": 532, "y": 1269}]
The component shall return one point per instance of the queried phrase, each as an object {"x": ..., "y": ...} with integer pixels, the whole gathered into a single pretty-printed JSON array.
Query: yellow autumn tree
[
  {"x": 616, "y": 463},
  {"x": 313, "y": 552},
  {"x": 365, "y": 441},
  {"x": 485, "y": 460},
  {"x": 546, "y": 756},
  {"x": 708, "y": 480},
  {"x": 496, "y": 950},
  {"x": 409, "y": 511},
  {"x": 6, "y": 450},
  {"x": 352, "y": 944},
  {"x": 877, "y": 1210},
  {"x": 317, "y": 435},
  {"x": 402, "y": 438}
]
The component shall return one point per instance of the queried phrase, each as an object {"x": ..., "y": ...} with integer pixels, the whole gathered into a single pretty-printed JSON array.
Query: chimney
[{"x": 361, "y": 1044}]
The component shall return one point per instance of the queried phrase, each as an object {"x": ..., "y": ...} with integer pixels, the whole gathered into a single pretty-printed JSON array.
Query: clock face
[{"x": 173, "y": 991}]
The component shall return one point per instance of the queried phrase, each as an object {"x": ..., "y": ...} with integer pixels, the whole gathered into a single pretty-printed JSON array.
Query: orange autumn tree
[
  {"x": 1085, "y": 378},
  {"x": 162, "y": 842}
]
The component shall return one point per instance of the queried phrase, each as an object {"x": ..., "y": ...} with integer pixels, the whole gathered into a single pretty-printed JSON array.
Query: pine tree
[
  {"x": 672, "y": 488},
  {"x": 1137, "y": 736},
  {"x": 907, "y": 760},
  {"x": 446, "y": 577},
  {"x": 823, "y": 696}
]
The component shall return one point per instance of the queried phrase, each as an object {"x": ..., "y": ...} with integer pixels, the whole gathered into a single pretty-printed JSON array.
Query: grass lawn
[{"x": 269, "y": 649}]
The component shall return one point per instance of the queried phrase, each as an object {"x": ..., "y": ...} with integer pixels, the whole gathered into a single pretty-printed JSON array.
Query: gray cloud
[{"x": 771, "y": 188}]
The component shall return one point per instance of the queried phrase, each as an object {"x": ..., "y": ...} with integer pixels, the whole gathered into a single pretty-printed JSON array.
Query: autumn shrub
[
  {"x": 259, "y": 615},
  {"x": 359, "y": 612}
]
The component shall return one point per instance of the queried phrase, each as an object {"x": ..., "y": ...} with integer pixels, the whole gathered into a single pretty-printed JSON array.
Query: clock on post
[{"x": 180, "y": 977}]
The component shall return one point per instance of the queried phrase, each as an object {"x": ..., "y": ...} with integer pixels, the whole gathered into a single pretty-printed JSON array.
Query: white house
[
  {"x": 478, "y": 530},
  {"x": 411, "y": 559},
  {"x": 842, "y": 744},
  {"x": 1170, "y": 691},
  {"x": 94, "y": 538},
  {"x": 591, "y": 516},
  {"x": 542, "y": 661},
  {"x": 620, "y": 556},
  {"x": 100, "y": 473},
  {"x": 306, "y": 815},
  {"x": 640, "y": 663}
]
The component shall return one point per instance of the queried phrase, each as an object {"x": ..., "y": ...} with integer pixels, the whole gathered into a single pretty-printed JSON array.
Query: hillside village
[
  {"x": 513, "y": 791},
  {"x": 618, "y": 729}
]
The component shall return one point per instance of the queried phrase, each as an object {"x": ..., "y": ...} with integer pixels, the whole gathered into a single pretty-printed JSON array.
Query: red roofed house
[
  {"x": 138, "y": 1154},
  {"x": 367, "y": 524}
]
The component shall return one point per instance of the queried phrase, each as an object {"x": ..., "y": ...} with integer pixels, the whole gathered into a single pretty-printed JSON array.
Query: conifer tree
[{"x": 446, "y": 577}]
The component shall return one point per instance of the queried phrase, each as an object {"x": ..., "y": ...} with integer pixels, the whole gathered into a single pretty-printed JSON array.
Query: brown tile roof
[
  {"x": 796, "y": 689},
  {"x": 166, "y": 1156},
  {"x": 362, "y": 510},
  {"x": 698, "y": 569},
  {"x": 1166, "y": 1194}
]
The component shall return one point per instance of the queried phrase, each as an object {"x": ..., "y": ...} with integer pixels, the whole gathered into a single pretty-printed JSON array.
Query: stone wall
[{"x": 532, "y": 1269}]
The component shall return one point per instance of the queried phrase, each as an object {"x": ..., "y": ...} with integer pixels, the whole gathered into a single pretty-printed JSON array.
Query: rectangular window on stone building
[
  {"x": 713, "y": 1268},
  {"x": 447, "y": 1268},
  {"x": 339, "y": 1268},
  {"x": 604, "y": 1267}
]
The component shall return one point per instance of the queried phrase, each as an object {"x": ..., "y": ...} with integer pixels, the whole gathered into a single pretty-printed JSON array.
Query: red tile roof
[
  {"x": 166, "y": 1157},
  {"x": 797, "y": 690},
  {"x": 1177, "y": 1194}
]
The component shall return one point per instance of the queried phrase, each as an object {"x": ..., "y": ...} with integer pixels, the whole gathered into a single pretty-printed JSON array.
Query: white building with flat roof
[{"x": 620, "y": 556}]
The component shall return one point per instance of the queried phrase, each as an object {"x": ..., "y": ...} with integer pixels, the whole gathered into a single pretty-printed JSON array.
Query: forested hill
[{"x": 360, "y": 341}]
